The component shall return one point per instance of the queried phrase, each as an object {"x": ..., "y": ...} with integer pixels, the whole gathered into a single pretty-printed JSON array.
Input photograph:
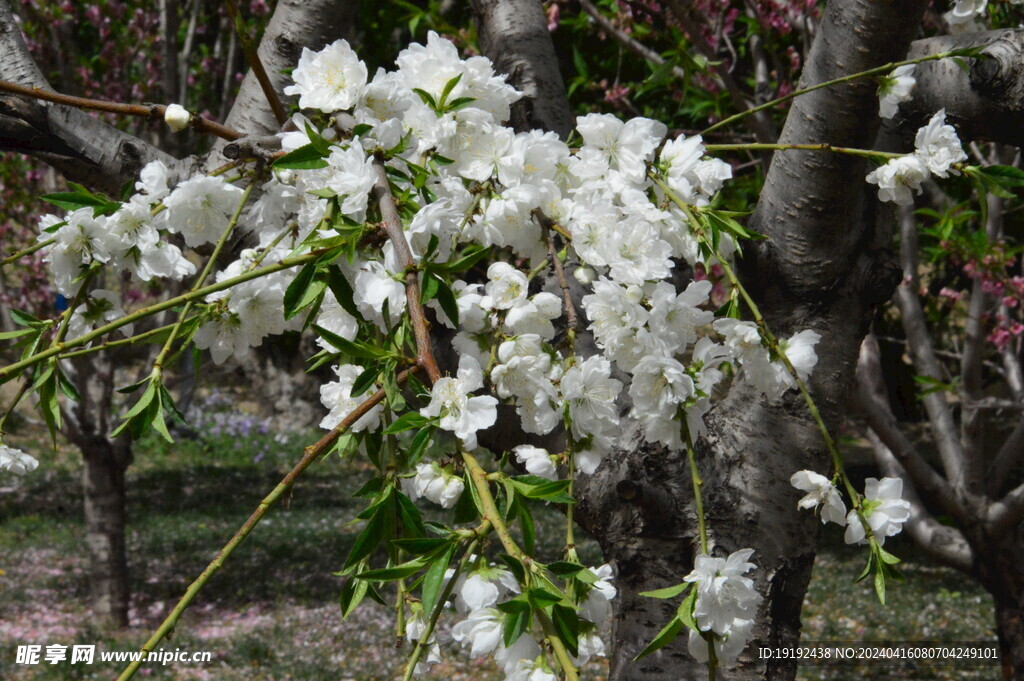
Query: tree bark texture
[
  {"x": 514, "y": 34},
  {"x": 83, "y": 148},
  {"x": 822, "y": 268},
  {"x": 104, "y": 487},
  {"x": 983, "y": 102}
]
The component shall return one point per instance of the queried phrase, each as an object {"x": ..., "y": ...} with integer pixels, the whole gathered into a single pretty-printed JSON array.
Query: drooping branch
[
  {"x": 985, "y": 102},
  {"x": 81, "y": 147},
  {"x": 514, "y": 35}
]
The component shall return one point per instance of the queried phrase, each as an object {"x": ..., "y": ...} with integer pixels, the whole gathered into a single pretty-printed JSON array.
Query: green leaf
[
  {"x": 668, "y": 591},
  {"x": 430, "y": 286},
  {"x": 564, "y": 568},
  {"x": 7, "y": 335},
  {"x": 350, "y": 348},
  {"x": 527, "y": 526},
  {"x": 469, "y": 257},
  {"x": 410, "y": 516},
  {"x": 396, "y": 572},
  {"x": 427, "y": 98},
  {"x": 352, "y": 593},
  {"x": 303, "y": 158},
  {"x": 446, "y": 298},
  {"x": 407, "y": 421},
  {"x": 419, "y": 445},
  {"x": 517, "y": 620},
  {"x": 433, "y": 580},
  {"x": 419, "y": 546},
  {"x": 685, "y": 610},
  {"x": 664, "y": 637},
  {"x": 567, "y": 626},
  {"x": 514, "y": 565},
  {"x": 542, "y": 598},
  {"x": 24, "y": 319},
  {"x": 448, "y": 87},
  {"x": 342, "y": 291},
  {"x": 76, "y": 200},
  {"x": 297, "y": 289},
  {"x": 1006, "y": 176},
  {"x": 368, "y": 539}
]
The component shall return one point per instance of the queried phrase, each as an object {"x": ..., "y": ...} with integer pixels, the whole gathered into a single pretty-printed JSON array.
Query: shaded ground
[{"x": 272, "y": 614}]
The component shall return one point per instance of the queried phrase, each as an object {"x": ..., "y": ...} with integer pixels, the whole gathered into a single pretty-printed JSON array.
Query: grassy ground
[{"x": 272, "y": 614}]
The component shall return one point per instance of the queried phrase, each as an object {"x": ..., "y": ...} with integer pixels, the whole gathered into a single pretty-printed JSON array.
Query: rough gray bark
[
  {"x": 514, "y": 34},
  {"x": 81, "y": 147},
  {"x": 821, "y": 268},
  {"x": 985, "y": 102}
]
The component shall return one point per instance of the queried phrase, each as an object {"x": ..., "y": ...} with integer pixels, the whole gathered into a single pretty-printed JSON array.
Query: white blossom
[
  {"x": 724, "y": 595},
  {"x": 329, "y": 80},
  {"x": 820, "y": 493},
  {"x": 536, "y": 460},
  {"x": 16, "y": 461},
  {"x": 938, "y": 146},
  {"x": 895, "y": 89},
  {"x": 885, "y": 509},
  {"x": 459, "y": 413}
]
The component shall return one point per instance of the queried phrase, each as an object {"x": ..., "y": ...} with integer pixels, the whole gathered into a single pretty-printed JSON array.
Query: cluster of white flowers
[
  {"x": 936, "y": 149},
  {"x": 726, "y": 605},
  {"x": 883, "y": 505},
  {"x": 466, "y": 180}
]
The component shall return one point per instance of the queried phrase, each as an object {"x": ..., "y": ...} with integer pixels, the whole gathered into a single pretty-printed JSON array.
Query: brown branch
[
  {"x": 572, "y": 323},
  {"x": 921, "y": 352},
  {"x": 391, "y": 221},
  {"x": 870, "y": 401},
  {"x": 151, "y": 111},
  {"x": 256, "y": 64},
  {"x": 311, "y": 454},
  {"x": 1006, "y": 459}
]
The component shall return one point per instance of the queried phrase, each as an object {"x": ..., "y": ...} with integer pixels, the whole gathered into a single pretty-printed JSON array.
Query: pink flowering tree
[{"x": 504, "y": 296}]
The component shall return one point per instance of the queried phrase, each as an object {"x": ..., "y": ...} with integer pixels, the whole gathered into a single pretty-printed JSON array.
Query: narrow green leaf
[
  {"x": 664, "y": 637},
  {"x": 567, "y": 626},
  {"x": 433, "y": 580},
  {"x": 668, "y": 591}
]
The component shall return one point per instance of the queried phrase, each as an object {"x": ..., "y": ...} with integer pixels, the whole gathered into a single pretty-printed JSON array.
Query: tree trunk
[{"x": 103, "y": 482}]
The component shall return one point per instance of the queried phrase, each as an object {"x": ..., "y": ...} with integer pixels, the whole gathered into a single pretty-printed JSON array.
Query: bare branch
[
  {"x": 871, "y": 401},
  {"x": 972, "y": 419},
  {"x": 514, "y": 34},
  {"x": 253, "y": 58},
  {"x": 922, "y": 354},
  {"x": 1009, "y": 455},
  {"x": 78, "y": 145},
  {"x": 151, "y": 111},
  {"x": 1006, "y": 513}
]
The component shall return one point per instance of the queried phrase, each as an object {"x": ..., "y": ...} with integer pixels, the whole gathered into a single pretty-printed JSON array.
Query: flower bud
[
  {"x": 584, "y": 275},
  {"x": 634, "y": 294},
  {"x": 177, "y": 117}
]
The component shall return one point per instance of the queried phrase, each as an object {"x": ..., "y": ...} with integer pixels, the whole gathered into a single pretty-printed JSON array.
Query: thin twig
[
  {"x": 253, "y": 57},
  {"x": 150, "y": 111}
]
